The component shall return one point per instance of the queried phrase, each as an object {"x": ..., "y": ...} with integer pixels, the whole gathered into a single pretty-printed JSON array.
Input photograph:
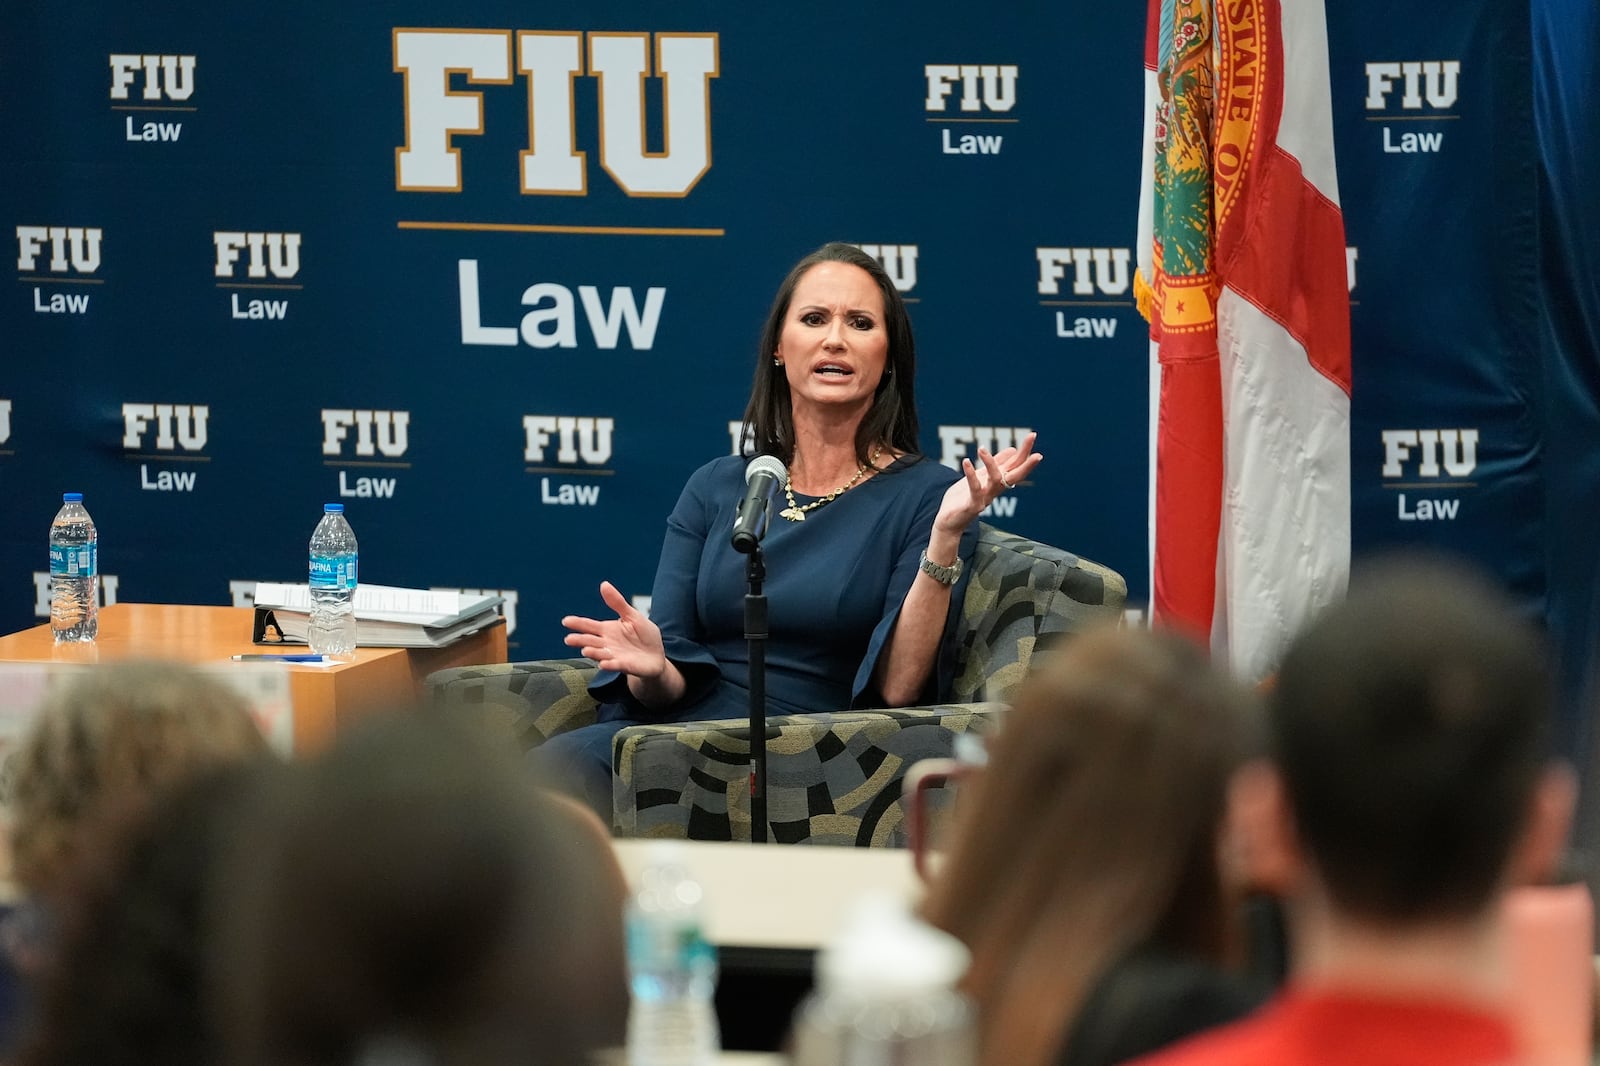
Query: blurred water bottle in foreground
[
  {"x": 886, "y": 993},
  {"x": 671, "y": 967}
]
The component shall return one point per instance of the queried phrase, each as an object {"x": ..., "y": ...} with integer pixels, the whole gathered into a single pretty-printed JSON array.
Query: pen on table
[{"x": 280, "y": 658}]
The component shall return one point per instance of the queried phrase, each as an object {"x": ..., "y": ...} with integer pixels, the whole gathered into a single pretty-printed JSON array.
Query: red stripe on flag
[
  {"x": 1188, "y": 495},
  {"x": 1283, "y": 248},
  {"x": 1292, "y": 264},
  {"x": 1152, "y": 28}
]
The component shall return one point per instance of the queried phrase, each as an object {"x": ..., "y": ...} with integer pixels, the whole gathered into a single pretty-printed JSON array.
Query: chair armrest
[
  {"x": 531, "y": 701},
  {"x": 831, "y": 778}
]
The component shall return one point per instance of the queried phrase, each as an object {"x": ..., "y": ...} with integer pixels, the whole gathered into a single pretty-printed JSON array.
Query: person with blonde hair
[
  {"x": 1083, "y": 872},
  {"x": 106, "y": 748},
  {"x": 113, "y": 737}
]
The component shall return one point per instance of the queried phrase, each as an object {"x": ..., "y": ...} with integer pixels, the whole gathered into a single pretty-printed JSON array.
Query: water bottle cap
[
  {"x": 333, "y": 508},
  {"x": 72, "y": 497},
  {"x": 884, "y": 951}
]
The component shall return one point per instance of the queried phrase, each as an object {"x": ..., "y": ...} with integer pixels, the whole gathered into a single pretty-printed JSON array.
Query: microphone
[{"x": 762, "y": 478}]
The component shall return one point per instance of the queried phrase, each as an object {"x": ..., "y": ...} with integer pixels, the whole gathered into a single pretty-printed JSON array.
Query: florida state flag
[{"x": 1242, "y": 277}]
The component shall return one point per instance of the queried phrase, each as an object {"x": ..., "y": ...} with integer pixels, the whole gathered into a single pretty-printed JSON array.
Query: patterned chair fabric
[{"x": 832, "y": 778}]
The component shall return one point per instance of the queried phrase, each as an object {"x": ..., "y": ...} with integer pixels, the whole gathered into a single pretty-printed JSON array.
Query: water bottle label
[
  {"x": 333, "y": 571},
  {"x": 676, "y": 946},
  {"x": 79, "y": 561}
]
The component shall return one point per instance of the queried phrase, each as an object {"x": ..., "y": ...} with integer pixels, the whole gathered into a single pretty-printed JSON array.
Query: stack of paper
[{"x": 386, "y": 617}]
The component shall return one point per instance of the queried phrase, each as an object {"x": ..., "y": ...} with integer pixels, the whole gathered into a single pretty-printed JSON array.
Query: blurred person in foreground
[
  {"x": 1084, "y": 869},
  {"x": 109, "y": 738},
  {"x": 1409, "y": 786},
  {"x": 106, "y": 746},
  {"x": 865, "y": 551},
  {"x": 413, "y": 897},
  {"x": 123, "y": 985}
]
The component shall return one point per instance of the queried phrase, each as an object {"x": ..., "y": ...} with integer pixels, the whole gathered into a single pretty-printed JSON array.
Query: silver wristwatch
[{"x": 944, "y": 575}]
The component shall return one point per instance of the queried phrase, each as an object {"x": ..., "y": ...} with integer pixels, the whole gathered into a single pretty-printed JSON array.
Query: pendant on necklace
[{"x": 793, "y": 514}]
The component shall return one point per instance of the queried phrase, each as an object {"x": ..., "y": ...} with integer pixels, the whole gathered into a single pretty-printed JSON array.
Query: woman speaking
[{"x": 864, "y": 556}]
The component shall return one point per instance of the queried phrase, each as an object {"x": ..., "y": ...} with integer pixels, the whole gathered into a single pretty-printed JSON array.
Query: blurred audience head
[
  {"x": 1094, "y": 829},
  {"x": 123, "y": 984},
  {"x": 1410, "y": 727},
  {"x": 411, "y": 896},
  {"x": 111, "y": 738}
]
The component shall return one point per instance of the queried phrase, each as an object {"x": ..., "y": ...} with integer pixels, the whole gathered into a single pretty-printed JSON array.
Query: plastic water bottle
[
  {"x": 74, "y": 573},
  {"x": 671, "y": 968},
  {"x": 333, "y": 585},
  {"x": 886, "y": 993}
]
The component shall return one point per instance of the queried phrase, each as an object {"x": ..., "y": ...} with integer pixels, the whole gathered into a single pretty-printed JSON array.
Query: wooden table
[{"x": 324, "y": 696}]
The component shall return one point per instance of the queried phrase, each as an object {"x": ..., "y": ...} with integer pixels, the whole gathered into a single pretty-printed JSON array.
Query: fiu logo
[
  {"x": 377, "y": 433},
  {"x": 5, "y": 423},
  {"x": 1351, "y": 254},
  {"x": 622, "y": 65},
  {"x": 73, "y": 253},
  {"x": 899, "y": 261},
  {"x": 981, "y": 89},
  {"x": 1444, "y": 457},
  {"x": 274, "y": 256},
  {"x": 74, "y": 248},
  {"x": 1097, "y": 273},
  {"x": 180, "y": 433},
  {"x": 161, "y": 78},
  {"x": 1431, "y": 82},
  {"x": 585, "y": 441},
  {"x": 278, "y": 253},
  {"x": 108, "y": 592},
  {"x": 962, "y": 442}
]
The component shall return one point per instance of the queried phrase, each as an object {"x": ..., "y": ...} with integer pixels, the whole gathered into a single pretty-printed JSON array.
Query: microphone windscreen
[{"x": 770, "y": 465}]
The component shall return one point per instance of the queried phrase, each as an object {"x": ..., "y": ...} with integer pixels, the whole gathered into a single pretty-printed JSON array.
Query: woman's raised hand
[
  {"x": 629, "y": 643},
  {"x": 980, "y": 484}
]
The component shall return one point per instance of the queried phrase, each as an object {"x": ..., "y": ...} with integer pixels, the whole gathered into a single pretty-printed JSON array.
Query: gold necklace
[{"x": 795, "y": 513}]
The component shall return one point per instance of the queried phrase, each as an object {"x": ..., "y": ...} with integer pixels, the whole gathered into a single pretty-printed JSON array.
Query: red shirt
[{"x": 1314, "y": 1027}]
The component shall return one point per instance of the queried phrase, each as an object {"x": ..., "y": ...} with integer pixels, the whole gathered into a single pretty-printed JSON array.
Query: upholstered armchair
[{"x": 832, "y": 778}]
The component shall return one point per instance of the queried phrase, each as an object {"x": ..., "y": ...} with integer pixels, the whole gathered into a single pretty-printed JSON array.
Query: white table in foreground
[
  {"x": 619, "y": 1057},
  {"x": 782, "y": 895}
]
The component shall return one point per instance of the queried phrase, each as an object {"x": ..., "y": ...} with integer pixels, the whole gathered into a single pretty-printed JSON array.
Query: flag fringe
[{"x": 1144, "y": 296}]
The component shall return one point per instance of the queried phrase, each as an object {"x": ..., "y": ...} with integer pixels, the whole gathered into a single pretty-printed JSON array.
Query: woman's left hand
[{"x": 993, "y": 474}]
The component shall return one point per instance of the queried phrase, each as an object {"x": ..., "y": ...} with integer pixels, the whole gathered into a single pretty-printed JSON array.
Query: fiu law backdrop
[{"x": 492, "y": 274}]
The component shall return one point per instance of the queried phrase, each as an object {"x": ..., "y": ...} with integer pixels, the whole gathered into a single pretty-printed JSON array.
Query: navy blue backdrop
[{"x": 257, "y": 271}]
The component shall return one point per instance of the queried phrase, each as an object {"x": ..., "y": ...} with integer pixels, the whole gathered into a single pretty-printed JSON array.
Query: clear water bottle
[
  {"x": 74, "y": 573},
  {"x": 333, "y": 585},
  {"x": 886, "y": 993},
  {"x": 671, "y": 968}
]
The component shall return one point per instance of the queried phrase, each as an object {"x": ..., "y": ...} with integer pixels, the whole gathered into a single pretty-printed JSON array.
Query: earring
[{"x": 776, "y": 361}]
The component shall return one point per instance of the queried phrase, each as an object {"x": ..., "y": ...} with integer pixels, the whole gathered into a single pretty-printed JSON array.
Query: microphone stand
[{"x": 755, "y": 631}]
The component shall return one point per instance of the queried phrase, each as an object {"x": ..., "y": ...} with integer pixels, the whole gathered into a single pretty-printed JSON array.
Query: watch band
[{"x": 944, "y": 575}]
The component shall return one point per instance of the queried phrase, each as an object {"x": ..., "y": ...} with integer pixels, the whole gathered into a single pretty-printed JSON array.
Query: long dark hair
[
  {"x": 892, "y": 419},
  {"x": 1092, "y": 831}
]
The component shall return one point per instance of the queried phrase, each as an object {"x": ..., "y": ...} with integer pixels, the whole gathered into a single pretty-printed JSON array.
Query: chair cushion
[
  {"x": 1022, "y": 591},
  {"x": 831, "y": 778},
  {"x": 529, "y": 702}
]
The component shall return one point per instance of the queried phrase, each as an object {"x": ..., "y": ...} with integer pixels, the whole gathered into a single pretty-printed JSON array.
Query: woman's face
[{"x": 834, "y": 345}]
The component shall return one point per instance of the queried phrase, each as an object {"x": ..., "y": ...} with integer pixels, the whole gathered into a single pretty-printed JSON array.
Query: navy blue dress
[{"x": 834, "y": 587}]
